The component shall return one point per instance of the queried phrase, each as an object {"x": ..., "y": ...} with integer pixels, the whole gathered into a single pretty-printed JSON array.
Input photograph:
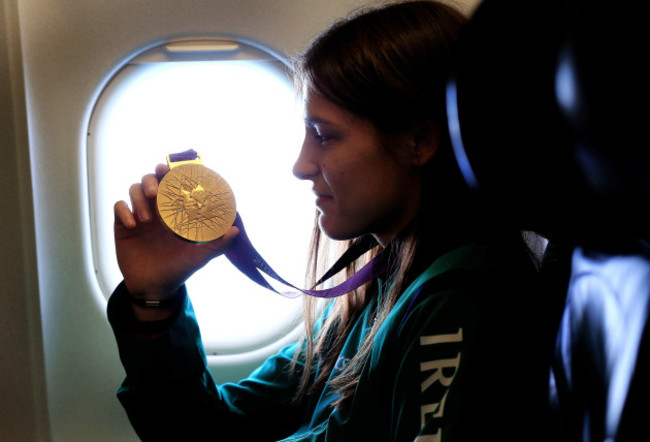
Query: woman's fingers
[
  {"x": 142, "y": 197},
  {"x": 124, "y": 215},
  {"x": 150, "y": 185},
  {"x": 140, "y": 202},
  {"x": 217, "y": 247},
  {"x": 161, "y": 171},
  {"x": 220, "y": 245}
]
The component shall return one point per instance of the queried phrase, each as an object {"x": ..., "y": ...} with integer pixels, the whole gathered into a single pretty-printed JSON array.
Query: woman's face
[{"x": 360, "y": 187}]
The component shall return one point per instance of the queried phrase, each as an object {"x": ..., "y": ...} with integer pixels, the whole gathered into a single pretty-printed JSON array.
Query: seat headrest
[{"x": 544, "y": 112}]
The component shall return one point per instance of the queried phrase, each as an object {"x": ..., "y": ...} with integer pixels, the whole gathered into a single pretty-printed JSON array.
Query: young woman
[{"x": 429, "y": 351}]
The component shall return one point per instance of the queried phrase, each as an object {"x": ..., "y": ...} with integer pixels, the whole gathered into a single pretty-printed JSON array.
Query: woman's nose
[{"x": 305, "y": 167}]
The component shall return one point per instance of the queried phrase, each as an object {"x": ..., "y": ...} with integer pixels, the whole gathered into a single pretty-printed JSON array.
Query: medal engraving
[{"x": 196, "y": 203}]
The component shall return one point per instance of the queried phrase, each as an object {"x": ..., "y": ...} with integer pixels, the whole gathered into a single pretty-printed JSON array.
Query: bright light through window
[{"x": 242, "y": 116}]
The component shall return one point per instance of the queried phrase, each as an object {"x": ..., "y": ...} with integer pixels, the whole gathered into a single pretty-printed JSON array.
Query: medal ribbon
[{"x": 243, "y": 255}]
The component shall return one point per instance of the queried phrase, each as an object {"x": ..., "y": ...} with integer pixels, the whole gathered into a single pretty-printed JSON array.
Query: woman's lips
[{"x": 322, "y": 198}]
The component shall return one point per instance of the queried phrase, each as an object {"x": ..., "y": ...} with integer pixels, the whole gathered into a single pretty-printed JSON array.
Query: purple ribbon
[
  {"x": 187, "y": 155},
  {"x": 243, "y": 255}
]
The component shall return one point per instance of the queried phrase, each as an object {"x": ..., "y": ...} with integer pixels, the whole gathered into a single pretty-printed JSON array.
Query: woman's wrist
[
  {"x": 148, "y": 308},
  {"x": 148, "y": 322}
]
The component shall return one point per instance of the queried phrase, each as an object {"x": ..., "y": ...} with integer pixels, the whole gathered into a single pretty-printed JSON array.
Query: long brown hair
[{"x": 388, "y": 64}]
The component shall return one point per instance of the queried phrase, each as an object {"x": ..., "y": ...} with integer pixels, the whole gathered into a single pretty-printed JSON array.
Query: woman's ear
[{"x": 425, "y": 146}]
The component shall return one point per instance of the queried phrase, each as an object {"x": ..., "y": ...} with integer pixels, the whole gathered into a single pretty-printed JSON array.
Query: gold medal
[{"x": 195, "y": 202}]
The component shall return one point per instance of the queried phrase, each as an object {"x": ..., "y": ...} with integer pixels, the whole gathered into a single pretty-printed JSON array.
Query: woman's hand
[{"x": 154, "y": 261}]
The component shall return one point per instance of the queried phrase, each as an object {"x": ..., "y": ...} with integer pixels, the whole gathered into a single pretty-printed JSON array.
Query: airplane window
[{"x": 234, "y": 103}]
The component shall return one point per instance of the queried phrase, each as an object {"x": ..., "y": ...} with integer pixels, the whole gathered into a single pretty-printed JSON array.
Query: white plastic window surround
[{"x": 234, "y": 103}]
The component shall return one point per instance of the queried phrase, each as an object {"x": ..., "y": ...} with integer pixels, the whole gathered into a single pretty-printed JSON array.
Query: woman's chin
[{"x": 336, "y": 230}]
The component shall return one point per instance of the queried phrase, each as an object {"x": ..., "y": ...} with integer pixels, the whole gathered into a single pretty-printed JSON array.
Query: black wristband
[
  {"x": 120, "y": 312},
  {"x": 154, "y": 303}
]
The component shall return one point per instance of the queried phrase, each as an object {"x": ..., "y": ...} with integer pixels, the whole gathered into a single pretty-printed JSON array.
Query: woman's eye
[
  {"x": 323, "y": 137},
  {"x": 320, "y": 136}
]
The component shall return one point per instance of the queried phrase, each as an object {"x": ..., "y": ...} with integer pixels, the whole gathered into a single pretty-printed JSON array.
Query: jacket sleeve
[{"x": 169, "y": 394}]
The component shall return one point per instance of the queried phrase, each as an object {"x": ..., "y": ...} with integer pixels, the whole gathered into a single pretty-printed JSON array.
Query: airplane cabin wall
[
  {"x": 23, "y": 414},
  {"x": 59, "y": 366}
]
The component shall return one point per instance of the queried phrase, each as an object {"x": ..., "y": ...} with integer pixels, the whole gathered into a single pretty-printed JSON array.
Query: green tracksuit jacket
[{"x": 448, "y": 364}]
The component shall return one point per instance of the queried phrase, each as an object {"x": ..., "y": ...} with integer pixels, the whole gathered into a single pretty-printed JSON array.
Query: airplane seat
[{"x": 544, "y": 116}]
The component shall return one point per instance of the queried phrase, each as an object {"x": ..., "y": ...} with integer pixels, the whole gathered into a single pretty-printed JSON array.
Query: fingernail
[{"x": 145, "y": 215}]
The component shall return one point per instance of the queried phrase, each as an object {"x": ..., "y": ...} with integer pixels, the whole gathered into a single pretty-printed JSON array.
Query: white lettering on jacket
[{"x": 435, "y": 369}]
